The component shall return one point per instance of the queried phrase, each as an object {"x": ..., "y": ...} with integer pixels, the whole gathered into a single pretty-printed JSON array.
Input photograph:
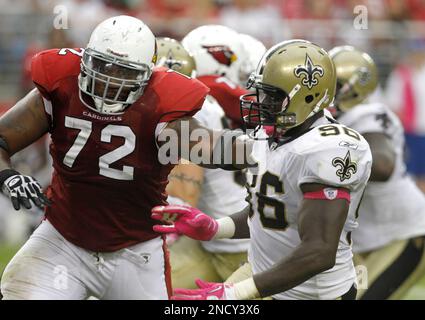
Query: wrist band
[
  {"x": 246, "y": 290},
  {"x": 5, "y": 174},
  {"x": 226, "y": 228}
]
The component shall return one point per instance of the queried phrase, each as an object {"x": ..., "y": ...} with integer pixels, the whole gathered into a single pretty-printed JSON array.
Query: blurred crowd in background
[
  {"x": 394, "y": 36},
  {"x": 394, "y": 31}
]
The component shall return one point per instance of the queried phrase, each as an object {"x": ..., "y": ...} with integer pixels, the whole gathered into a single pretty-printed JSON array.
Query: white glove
[{"x": 21, "y": 189}]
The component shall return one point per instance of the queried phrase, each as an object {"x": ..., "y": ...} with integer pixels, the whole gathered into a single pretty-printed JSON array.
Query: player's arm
[
  {"x": 383, "y": 156},
  {"x": 185, "y": 183},
  {"x": 320, "y": 223},
  {"x": 197, "y": 225},
  {"x": 224, "y": 149},
  {"x": 23, "y": 124}
]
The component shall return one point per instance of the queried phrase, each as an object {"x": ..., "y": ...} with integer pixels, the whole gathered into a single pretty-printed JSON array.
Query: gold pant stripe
[{"x": 392, "y": 270}]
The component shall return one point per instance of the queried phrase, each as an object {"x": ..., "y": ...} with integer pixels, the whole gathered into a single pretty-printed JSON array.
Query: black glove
[{"x": 21, "y": 189}]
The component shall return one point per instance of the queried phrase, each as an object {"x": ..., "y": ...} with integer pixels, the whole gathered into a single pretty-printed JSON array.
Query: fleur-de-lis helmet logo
[
  {"x": 345, "y": 167},
  {"x": 172, "y": 63},
  {"x": 309, "y": 72},
  {"x": 364, "y": 75}
]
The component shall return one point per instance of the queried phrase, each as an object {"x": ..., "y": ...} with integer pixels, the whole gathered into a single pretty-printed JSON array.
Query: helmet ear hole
[{"x": 309, "y": 98}]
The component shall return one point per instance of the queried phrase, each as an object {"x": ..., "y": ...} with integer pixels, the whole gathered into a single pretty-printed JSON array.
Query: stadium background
[{"x": 394, "y": 36}]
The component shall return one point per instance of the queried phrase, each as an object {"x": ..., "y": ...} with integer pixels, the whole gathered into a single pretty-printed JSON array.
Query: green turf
[{"x": 6, "y": 253}]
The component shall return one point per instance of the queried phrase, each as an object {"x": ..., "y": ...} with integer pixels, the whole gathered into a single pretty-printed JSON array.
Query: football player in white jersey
[
  {"x": 390, "y": 239},
  {"x": 254, "y": 50},
  {"x": 303, "y": 205},
  {"x": 215, "y": 192}
]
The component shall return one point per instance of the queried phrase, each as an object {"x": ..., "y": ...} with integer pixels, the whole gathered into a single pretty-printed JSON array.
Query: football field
[
  {"x": 6, "y": 253},
  {"x": 416, "y": 293}
]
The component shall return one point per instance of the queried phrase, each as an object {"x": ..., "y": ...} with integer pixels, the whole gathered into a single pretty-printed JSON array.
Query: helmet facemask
[
  {"x": 266, "y": 108},
  {"x": 294, "y": 81},
  {"x": 112, "y": 83}
]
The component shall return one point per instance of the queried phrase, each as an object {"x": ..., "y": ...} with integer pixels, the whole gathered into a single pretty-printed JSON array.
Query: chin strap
[{"x": 104, "y": 107}]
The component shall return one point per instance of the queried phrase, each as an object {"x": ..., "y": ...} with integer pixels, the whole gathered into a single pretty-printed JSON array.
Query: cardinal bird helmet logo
[{"x": 222, "y": 54}]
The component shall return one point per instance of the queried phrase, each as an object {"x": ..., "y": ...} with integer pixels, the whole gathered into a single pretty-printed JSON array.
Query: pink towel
[{"x": 407, "y": 112}]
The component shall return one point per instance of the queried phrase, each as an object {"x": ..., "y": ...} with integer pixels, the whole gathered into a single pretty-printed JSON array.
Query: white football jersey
[
  {"x": 329, "y": 154},
  {"x": 391, "y": 210},
  {"x": 223, "y": 192}
]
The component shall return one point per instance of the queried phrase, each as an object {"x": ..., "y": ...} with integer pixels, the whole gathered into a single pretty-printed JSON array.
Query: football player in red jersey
[
  {"x": 219, "y": 55},
  {"x": 105, "y": 108}
]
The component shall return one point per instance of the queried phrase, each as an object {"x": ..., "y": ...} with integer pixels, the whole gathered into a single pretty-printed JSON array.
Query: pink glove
[
  {"x": 269, "y": 130},
  {"x": 206, "y": 291},
  {"x": 185, "y": 220}
]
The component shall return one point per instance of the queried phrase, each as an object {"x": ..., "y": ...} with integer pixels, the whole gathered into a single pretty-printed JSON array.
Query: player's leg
[
  {"x": 141, "y": 272},
  {"x": 415, "y": 269},
  {"x": 393, "y": 269},
  {"x": 44, "y": 268},
  {"x": 227, "y": 263},
  {"x": 189, "y": 261}
]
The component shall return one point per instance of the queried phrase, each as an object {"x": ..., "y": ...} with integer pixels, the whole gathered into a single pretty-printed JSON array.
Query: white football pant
[{"x": 50, "y": 267}]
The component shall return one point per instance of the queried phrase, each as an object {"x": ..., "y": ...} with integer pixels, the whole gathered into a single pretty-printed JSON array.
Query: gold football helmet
[
  {"x": 294, "y": 80},
  {"x": 173, "y": 55},
  {"x": 357, "y": 76}
]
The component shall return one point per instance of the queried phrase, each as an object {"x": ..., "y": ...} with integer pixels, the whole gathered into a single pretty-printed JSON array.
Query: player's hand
[
  {"x": 206, "y": 291},
  {"x": 185, "y": 220},
  {"x": 22, "y": 190}
]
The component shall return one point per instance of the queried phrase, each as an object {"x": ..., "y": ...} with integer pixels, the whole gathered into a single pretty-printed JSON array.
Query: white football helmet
[
  {"x": 117, "y": 64},
  {"x": 217, "y": 51},
  {"x": 254, "y": 50}
]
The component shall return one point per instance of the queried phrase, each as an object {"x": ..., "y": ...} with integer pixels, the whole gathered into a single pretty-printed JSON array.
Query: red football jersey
[
  {"x": 107, "y": 176},
  {"x": 227, "y": 95}
]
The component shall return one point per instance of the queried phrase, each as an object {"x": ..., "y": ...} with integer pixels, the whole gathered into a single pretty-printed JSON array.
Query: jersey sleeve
[
  {"x": 50, "y": 66},
  {"x": 211, "y": 114},
  {"x": 227, "y": 95},
  {"x": 374, "y": 120},
  {"x": 181, "y": 97},
  {"x": 339, "y": 163},
  {"x": 39, "y": 75},
  {"x": 202, "y": 114}
]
